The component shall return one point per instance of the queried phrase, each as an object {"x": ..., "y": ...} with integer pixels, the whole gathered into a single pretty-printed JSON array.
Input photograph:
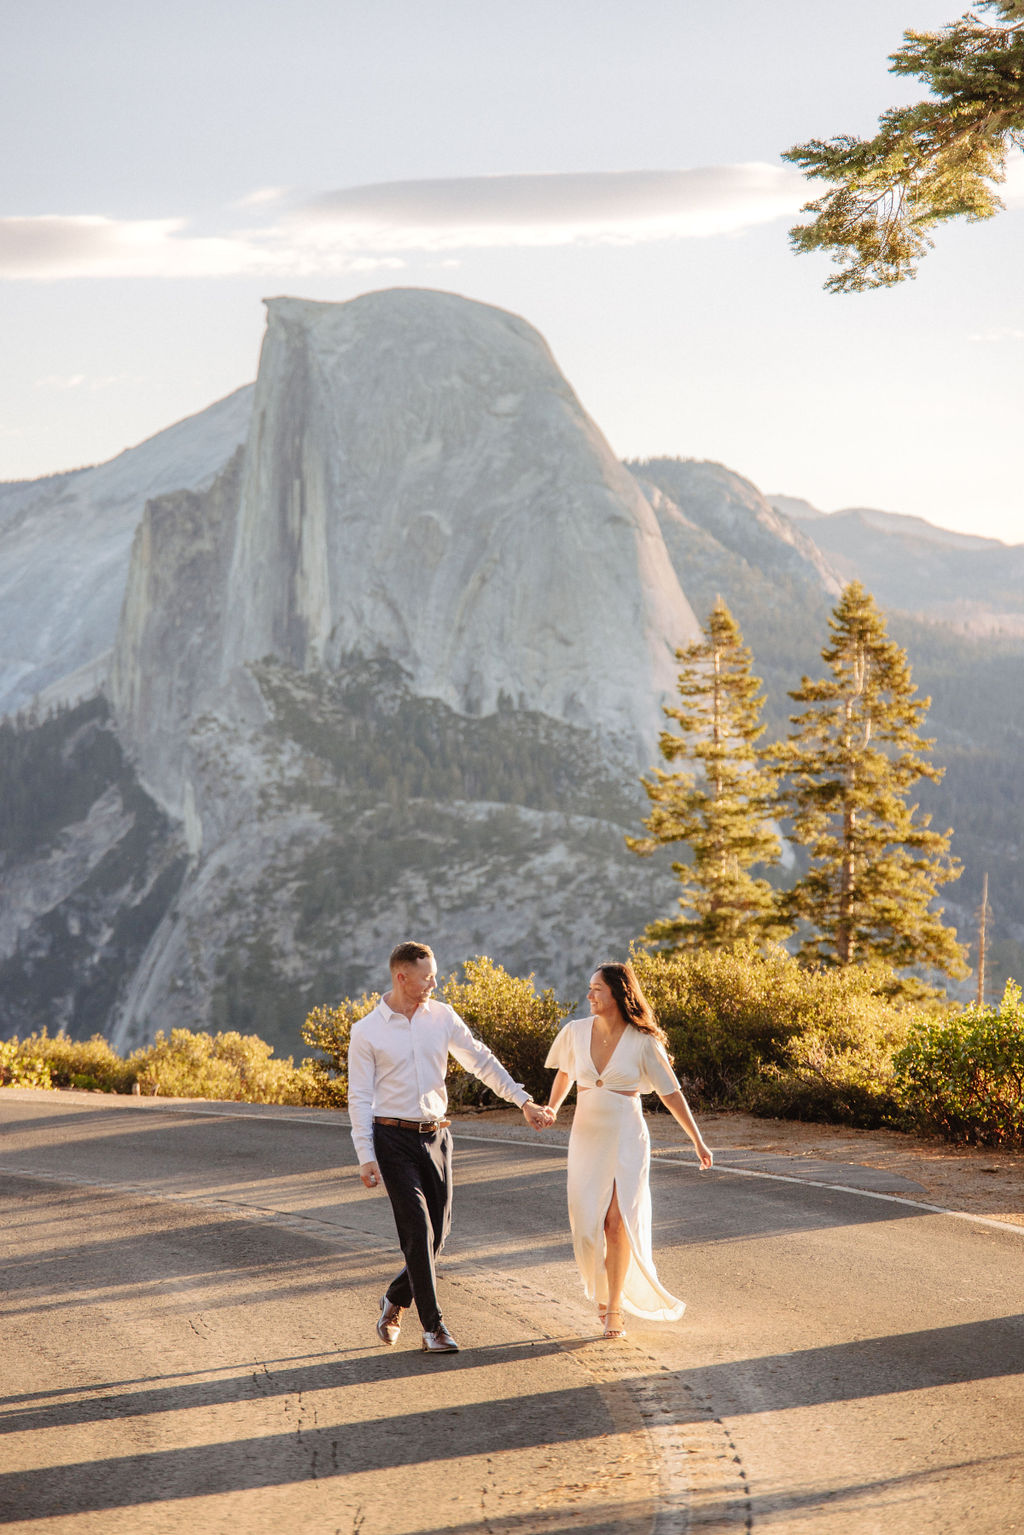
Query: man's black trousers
[{"x": 417, "y": 1174}]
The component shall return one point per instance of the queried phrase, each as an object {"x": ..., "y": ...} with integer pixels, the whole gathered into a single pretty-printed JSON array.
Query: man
[{"x": 397, "y": 1060}]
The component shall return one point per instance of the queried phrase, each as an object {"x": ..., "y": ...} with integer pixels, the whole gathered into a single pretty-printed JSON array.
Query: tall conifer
[
  {"x": 724, "y": 813},
  {"x": 849, "y": 764}
]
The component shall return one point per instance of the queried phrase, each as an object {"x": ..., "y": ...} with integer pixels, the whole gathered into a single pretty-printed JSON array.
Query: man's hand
[
  {"x": 370, "y": 1174},
  {"x": 538, "y": 1118}
]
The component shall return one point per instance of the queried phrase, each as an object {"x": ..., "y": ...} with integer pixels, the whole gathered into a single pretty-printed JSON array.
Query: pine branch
[{"x": 930, "y": 162}]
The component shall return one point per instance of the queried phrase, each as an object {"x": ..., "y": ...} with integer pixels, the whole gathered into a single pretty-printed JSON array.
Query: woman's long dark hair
[{"x": 629, "y": 998}]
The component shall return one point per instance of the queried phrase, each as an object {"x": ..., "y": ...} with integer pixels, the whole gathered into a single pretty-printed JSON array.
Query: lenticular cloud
[
  {"x": 357, "y": 228},
  {"x": 627, "y": 206}
]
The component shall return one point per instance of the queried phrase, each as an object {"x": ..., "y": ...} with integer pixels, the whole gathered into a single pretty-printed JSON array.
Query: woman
[{"x": 613, "y": 1056}]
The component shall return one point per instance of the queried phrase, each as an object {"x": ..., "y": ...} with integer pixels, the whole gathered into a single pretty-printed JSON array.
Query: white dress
[{"x": 609, "y": 1148}]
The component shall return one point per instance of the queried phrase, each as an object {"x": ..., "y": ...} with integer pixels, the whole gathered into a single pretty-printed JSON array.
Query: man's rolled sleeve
[
  {"x": 360, "y": 1094},
  {"x": 474, "y": 1055}
]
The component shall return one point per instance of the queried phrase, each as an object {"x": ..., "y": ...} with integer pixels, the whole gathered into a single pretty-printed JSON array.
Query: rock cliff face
[
  {"x": 738, "y": 517},
  {"x": 170, "y": 639},
  {"x": 424, "y": 554},
  {"x": 90, "y": 868},
  {"x": 64, "y": 551},
  {"x": 420, "y": 481}
]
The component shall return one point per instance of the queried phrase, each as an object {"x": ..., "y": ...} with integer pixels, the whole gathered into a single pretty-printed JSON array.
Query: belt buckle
[{"x": 428, "y": 1126}]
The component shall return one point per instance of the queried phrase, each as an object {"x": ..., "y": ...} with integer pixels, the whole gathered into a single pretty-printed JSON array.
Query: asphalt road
[{"x": 188, "y": 1304}]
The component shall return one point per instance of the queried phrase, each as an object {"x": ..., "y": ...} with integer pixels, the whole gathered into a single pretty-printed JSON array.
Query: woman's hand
[{"x": 704, "y": 1155}]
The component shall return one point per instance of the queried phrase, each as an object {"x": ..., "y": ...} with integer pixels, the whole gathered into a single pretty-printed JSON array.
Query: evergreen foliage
[
  {"x": 754, "y": 1029},
  {"x": 327, "y": 1029},
  {"x": 382, "y": 742},
  {"x": 964, "y": 1076},
  {"x": 849, "y": 764},
  {"x": 512, "y": 1018},
  {"x": 85, "y": 1063},
  {"x": 20, "y": 1069},
  {"x": 183, "y": 1064},
  {"x": 939, "y": 159},
  {"x": 52, "y": 770},
  {"x": 229, "y": 1065},
  {"x": 723, "y": 815}
]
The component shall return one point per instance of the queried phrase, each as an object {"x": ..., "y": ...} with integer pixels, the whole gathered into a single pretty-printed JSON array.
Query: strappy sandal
[{"x": 613, "y": 1332}]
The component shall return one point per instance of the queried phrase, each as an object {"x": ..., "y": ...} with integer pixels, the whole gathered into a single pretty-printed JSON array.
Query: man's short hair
[{"x": 408, "y": 953}]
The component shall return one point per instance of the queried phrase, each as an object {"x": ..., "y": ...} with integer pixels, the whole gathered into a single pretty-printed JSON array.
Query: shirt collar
[{"x": 389, "y": 1012}]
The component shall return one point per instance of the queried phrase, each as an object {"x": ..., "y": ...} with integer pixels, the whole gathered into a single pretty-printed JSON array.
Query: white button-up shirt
[{"x": 397, "y": 1066}]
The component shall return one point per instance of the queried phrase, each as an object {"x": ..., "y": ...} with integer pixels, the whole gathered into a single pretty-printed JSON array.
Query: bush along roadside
[
  {"x": 19, "y": 1068},
  {"x": 754, "y": 1029},
  {"x": 237, "y": 1067},
  {"x": 963, "y": 1076},
  {"x": 748, "y": 1029}
]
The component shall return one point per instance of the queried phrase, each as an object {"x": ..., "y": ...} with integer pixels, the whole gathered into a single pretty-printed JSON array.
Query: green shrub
[
  {"x": 727, "y": 1012},
  {"x": 328, "y": 1029},
  {"x": 225, "y": 1066},
  {"x": 20, "y": 1068},
  {"x": 756, "y": 1029},
  {"x": 964, "y": 1076},
  {"x": 842, "y": 1074},
  {"x": 513, "y": 1019},
  {"x": 82, "y": 1062}
]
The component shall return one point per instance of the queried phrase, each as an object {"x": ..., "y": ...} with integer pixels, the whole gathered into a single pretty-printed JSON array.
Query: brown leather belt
[{"x": 421, "y": 1126}]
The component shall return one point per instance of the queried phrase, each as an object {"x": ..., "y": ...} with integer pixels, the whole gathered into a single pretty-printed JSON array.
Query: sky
[{"x": 611, "y": 173}]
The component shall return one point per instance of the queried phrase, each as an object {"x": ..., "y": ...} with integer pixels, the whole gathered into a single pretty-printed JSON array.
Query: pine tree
[
  {"x": 939, "y": 159},
  {"x": 724, "y": 814},
  {"x": 849, "y": 765}
]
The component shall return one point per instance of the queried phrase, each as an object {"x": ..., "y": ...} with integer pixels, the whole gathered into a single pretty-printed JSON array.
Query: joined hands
[{"x": 538, "y": 1116}]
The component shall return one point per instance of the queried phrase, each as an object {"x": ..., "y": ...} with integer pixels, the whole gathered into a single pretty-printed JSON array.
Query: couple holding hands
[{"x": 397, "y": 1061}]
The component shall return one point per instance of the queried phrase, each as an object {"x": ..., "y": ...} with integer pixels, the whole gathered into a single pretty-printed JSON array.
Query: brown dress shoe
[
  {"x": 389, "y": 1323},
  {"x": 440, "y": 1341}
]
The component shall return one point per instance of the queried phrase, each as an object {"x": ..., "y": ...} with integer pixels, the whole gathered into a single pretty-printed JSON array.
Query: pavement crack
[{"x": 703, "y": 1485}]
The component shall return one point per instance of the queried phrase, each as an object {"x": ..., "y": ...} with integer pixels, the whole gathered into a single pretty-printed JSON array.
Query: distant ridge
[{"x": 973, "y": 583}]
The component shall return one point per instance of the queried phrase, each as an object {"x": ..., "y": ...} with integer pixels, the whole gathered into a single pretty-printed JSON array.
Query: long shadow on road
[{"x": 340, "y": 1446}]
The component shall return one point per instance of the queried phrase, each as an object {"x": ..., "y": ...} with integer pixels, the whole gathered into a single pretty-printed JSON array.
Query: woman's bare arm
[
  {"x": 559, "y": 1087},
  {"x": 680, "y": 1111}
]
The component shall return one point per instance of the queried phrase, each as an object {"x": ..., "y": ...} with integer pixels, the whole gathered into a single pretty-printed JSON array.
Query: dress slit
[{"x": 609, "y": 1153}]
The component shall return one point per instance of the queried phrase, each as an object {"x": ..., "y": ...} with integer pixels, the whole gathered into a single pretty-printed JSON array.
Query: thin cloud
[
  {"x": 260, "y": 197},
  {"x": 361, "y": 229},
  {"x": 628, "y": 207},
  {"x": 55, "y": 246}
]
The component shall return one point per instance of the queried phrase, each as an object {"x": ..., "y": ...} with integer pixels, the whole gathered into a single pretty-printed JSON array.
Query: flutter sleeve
[
  {"x": 657, "y": 1068},
  {"x": 562, "y": 1055}
]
